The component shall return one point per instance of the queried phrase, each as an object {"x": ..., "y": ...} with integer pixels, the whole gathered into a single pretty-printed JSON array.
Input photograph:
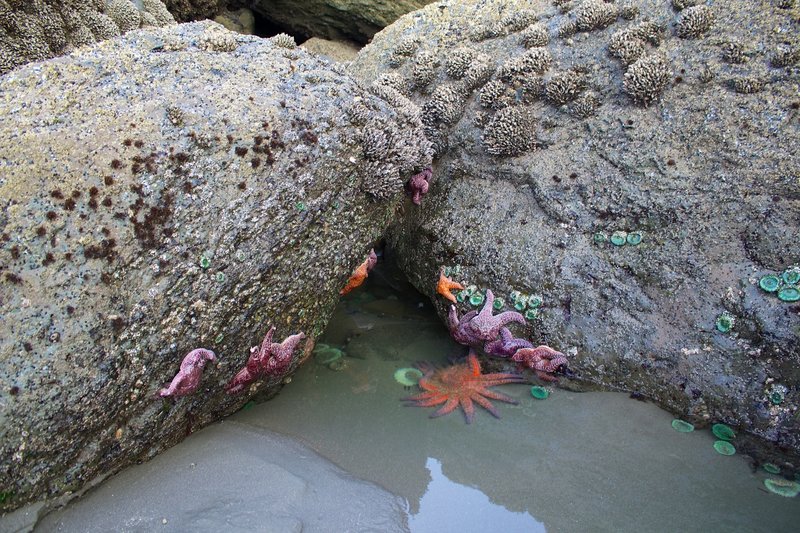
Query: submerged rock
[
  {"x": 173, "y": 189},
  {"x": 531, "y": 179}
]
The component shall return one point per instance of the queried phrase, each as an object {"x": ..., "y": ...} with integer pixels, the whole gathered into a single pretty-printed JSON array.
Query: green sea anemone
[
  {"x": 220, "y": 277},
  {"x": 472, "y": 289},
  {"x": 769, "y": 283},
  {"x": 461, "y": 296},
  {"x": 619, "y": 238},
  {"x": 782, "y": 487},
  {"x": 534, "y": 302},
  {"x": 789, "y": 294},
  {"x": 325, "y": 355},
  {"x": 498, "y": 304},
  {"x": 407, "y": 377},
  {"x": 777, "y": 397},
  {"x": 725, "y": 322},
  {"x": 723, "y": 432},
  {"x": 724, "y": 447},
  {"x": 476, "y": 299},
  {"x": 205, "y": 262},
  {"x": 771, "y": 468},
  {"x": 634, "y": 238},
  {"x": 540, "y": 393},
  {"x": 531, "y": 314},
  {"x": 514, "y": 295},
  {"x": 599, "y": 237},
  {"x": 682, "y": 426},
  {"x": 791, "y": 276}
]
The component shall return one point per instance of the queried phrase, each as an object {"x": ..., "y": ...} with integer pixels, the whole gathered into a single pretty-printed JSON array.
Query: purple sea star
[
  {"x": 507, "y": 345},
  {"x": 543, "y": 360},
  {"x": 459, "y": 330},
  {"x": 188, "y": 377},
  {"x": 271, "y": 359},
  {"x": 418, "y": 185},
  {"x": 485, "y": 326}
]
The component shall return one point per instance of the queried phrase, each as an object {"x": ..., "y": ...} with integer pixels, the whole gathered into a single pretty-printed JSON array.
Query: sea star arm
[
  {"x": 281, "y": 354},
  {"x": 448, "y": 407},
  {"x": 485, "y": 326},
  {"x": 191, "y": 372}
]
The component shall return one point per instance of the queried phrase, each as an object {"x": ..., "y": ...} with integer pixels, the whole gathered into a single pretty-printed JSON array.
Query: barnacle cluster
[
  {"x": 518, "y": 20},
  {"x": 733, "y": 52},
  {"x": 458, "y": 62},
  {"x": 403, "y": 50},
  {"x": 534, "y": 35},
  {"x": 683, "y": 4},
  {"x": 694, "y": 21},
  {"x": 424, "y": 70},
  {"x": 568, "y": 29},
  {"x": 747, "y": 85},
  {"x": 479, "y": 71},
  {"x": 626, "y": 46},
  {"x": 445, "y": 104},
  {"x": 509, "y": 132},
  {"x": 496, "y": 95},
  {"x": 595, "y": 15},
  {"x": 629, "y": 11},
  {"x": 564, "y": 86},
  {"x": 646, "y": 78},
  {"x": 284, "y": 40},
  {"x": 485, "y": 31},
  {"x": 585, "y": 105},
  {"x": 218, "y": 40},
  {"x": 395, "y": 81},
  {"x": 533, "y": 61},
  {"x": 374, "y": 143},
  {"x": 785, "y": 58}
]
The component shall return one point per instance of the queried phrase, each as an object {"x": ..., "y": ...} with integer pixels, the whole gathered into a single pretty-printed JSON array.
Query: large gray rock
[
  {"x": 546, "y": 139},
  {"x": 355, "y": 20},
  {"x": 39, "y": 29},
  {"x": 172, "y": 189}
]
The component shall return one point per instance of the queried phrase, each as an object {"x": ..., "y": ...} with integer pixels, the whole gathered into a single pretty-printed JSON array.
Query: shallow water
[{"x": 572, "y": 462}]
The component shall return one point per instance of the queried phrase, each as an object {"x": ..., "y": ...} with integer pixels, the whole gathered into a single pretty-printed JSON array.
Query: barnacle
[
  {"x": 374, "y": 143},
  {"x": 694, "y": 22},
  {"x": 785, "y": 58},
  {"x": 510, "y": 132},
  {"x": 748, "y": 85},
  {"x": 479, "y": 71},
  {"x": 381, "y": 179},
  {"x": 534, "y": 35},
  {"x": 124, "y": 14},
  {"x": 485, "y": 31},
  {"x": 733, "y": 52},
  {"x": 284, "y": 40},
  {"x": 395, "y": 81},
  {"x": 424, "y": 70},
  {"x": 646, "y": 78},
  {"x": 595, "y": 14},
  {"x": 518, "y": 20},
  {"x": 683, "y": 4},
  {"x": 458, "y": 62},
  {"x": 564, "y": 86},
  {"x": 568, "y": 29},
  {"x": 629, "y": 11},
  {"x": 535, "y": 60},
  {"x": 445, "y": 105},
  {"x": 495, "y": 95},
  {"x": 217, "y": 40},
  {"x": 585, "y": 105},
  {"x": 626, "y": 46}
]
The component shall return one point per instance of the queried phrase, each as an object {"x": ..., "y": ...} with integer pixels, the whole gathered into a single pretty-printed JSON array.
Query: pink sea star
[
  {"x": 458, "y": 327},
  {"x": 542, "y": 359},
  {"x": 191, "y": 372},
  {"x": 418, "y": 185},
  {"x": 485, "y": 326},
  {"x": 270, "y": 359}
]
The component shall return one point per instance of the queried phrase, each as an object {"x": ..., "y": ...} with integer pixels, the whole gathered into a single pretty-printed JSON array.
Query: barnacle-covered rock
[
  {"x": 479, "y": 71},
  {"x": 785, "y": 58},
  {"x": 534, "y": 35},
  {"x": 509, "y": 132},
  {"x": 647, "y": 78},
  {"x": 683, "y": 4},
  {"x": 395, "y": 81},
  {"x": 458, "y": 61},
  {"x": 176, "y": 207},
  {"x": 533, "y": 61},
  {"x": 487, "y": 30},
  {"x": 374, "y": 143},
  {"x": 518, "y": 20},
  {"x": 626, "y": 46},
  {"x": 733, "y": 52},
  {"x": 595, "y": 14},
  {"x": 564, "y": 86},
  {"x": 629, "y": 11},
  {"x": 567, "y": 29},
  {"x": 694, "y": 22},
  {"x": 218, "y": 39},
  {"x": 445, "y": 104}
]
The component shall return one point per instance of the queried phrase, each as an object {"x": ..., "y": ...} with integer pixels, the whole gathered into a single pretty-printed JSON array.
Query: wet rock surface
[
  {"x": 356, "y": 20},
  {"x": 177, "y": 188},
  {"x": 560, "y": 129},
  {"x": 34, "y": 30}
]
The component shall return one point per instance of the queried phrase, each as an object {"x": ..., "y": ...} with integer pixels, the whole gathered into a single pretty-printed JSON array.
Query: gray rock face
[
  {"x": 173, "y": 189},
  {"x": 186, "y": 10},
  {"x": 356, "y": 20},
  {"x": 38, "y": 29},
  {"x": 556, "y": 128}
]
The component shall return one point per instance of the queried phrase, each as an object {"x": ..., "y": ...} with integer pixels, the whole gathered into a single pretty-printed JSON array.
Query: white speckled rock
[{"x": 171, "y": 189}]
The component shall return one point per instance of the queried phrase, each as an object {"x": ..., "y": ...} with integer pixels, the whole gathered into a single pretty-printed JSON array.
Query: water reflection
[{"x": 450, "y": 506}]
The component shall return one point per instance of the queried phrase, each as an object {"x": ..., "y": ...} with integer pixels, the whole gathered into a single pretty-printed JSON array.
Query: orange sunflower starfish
[
  {"x": 446, "y": 285},
  {"x": 462, "y": 385}
]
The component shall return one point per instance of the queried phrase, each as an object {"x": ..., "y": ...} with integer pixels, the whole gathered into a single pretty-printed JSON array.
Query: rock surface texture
[
  {"x": 186, "y": 10},
  {"x": 355, "y": 20},
  {"x": 176, "y": 188},
  {"x": 561, "y": 130},
  {"x": 32, "y": 30}
]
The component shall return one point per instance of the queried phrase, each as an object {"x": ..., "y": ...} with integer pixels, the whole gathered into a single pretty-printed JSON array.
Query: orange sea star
[
  {"x": 462, "y": 385},
  {"x": 446, "y": 285},
  {"x": 360, "y": 273}
]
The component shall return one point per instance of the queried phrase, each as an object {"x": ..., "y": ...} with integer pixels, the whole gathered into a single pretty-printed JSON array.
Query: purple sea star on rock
[
  {"x": 507, "y": 345},
  {"x": 459, "y": 330},
  {"x": 485, "y": 326},
  {"x": 188, "y": 377},
  {"x": 418, "y": 185},
  {"x": 271, "y": 359}
]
